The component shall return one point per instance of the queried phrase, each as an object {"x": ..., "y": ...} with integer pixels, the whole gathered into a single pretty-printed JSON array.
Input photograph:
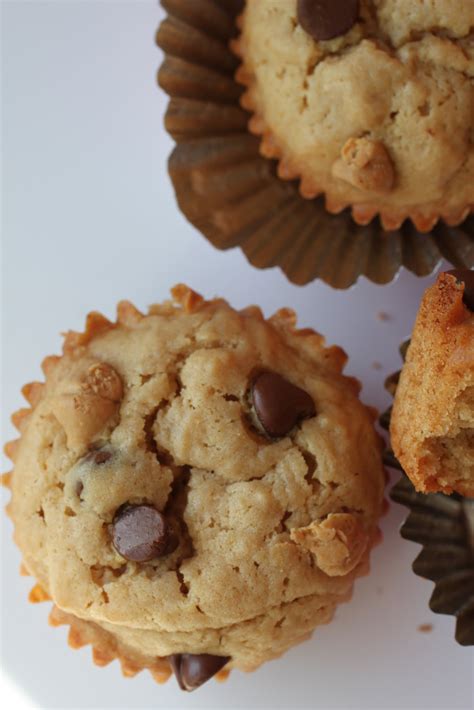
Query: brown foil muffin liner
[
  {"x": 105, "y": 647},
  {"x": 233, "y": 195},
  {"x": 444, "y": 526}
]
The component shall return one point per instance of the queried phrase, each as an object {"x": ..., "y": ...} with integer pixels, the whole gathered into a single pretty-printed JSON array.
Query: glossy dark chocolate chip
[
  {"x": 467, "y": 278},
  {"x": 193, "y": 670},
  {"x": 279, "y": 405},
  {"x": 140, "y": 533},
  {"x": 326, "y": 19}
]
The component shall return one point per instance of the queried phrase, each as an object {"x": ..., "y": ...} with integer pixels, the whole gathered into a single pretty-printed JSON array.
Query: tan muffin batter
[
  {"x": 238, "y": 435},
  {"x": 380, "y": 117},
  {"x": 432, "y": 424}
]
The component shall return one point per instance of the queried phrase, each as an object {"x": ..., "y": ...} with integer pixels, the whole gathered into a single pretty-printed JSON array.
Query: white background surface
[{"x": 89, "y": 218}]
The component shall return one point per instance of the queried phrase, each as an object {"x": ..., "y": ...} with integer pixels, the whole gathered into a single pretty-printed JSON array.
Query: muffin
[
  {"x": 432, "y": 423},
  {"x": 197, "y": 488},
  {"x": 442, "y": 524},
  {"x": 233, "y": 195},
  {"x": 368, "y": 102}
]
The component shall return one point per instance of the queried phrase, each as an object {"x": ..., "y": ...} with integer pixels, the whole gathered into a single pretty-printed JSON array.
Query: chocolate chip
[
  {"x": 326, "y": 19},
  {"x": 140, "y": 533},
  {"x": 467, "y": 277},
  {"x": 278, "y": 404},
  {"x": 192, "y": 670}
]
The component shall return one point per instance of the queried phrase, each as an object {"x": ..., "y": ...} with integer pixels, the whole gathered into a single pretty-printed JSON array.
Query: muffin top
[
  {"x": 432, "y": 423},
  {"x": 370, "y": 102},
  {"x": 198, "y": 472}
]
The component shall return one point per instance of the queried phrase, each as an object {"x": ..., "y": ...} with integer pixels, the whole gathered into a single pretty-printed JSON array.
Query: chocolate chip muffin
[
  {"x": 196, "y": 488},
  {"x": 369, "y": 102},
  {"x": 432, "y": 423}
]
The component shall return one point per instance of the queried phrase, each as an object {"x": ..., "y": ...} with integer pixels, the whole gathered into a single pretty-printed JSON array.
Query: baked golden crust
[
  {"x": 379, "y": 119},
  {"x": 166, "y": 394},
  {"x": 432, "y": 424}
]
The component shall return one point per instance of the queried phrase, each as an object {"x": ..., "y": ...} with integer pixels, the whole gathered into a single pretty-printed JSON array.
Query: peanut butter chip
[
  {"x": 365, "y": 164},
  {"x": 326, "y": 19},
  {"x": 85, "y": 405},
  {"x": 102, "y": 380},
  {"x": 338, "y": 542}
]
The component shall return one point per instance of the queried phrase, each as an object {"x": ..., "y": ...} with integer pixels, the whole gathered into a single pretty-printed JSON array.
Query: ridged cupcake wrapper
[
  {"x": 233, "y": 195},
  {"x": 104, "y": 648},
  {"x": 444, "y": 526}
]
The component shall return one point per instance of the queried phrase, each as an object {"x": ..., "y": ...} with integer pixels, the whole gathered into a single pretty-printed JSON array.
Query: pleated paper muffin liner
[
  {"x": 234, "y": 196},
  {"x": 82, "y": 632},
  {"x": 444, "y": 526}
]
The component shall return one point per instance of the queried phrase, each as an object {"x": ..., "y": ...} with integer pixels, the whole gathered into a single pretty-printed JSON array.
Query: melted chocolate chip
[
  {"x": 326, "y": 19},
  {"x": 193, "y": 670},
  {"x": 278, "y": 404},
  {"x": 466, "y": 277},
  {"x": 140, "y": 533}
]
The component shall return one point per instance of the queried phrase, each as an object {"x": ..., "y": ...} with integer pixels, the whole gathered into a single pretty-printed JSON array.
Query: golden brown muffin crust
[
  {"x": 432, "y": 425},
  {"x": 155, "y": 410}
]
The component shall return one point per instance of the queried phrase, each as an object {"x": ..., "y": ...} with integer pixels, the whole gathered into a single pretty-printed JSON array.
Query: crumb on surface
[
  {"x": 425, "y": 628},
  {"x": 384, "y": 316},
  {"x": 376, "y": 365}
]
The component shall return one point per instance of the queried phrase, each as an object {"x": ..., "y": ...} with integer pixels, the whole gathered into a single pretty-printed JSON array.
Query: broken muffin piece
[{"x": 432, "y": 426}]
